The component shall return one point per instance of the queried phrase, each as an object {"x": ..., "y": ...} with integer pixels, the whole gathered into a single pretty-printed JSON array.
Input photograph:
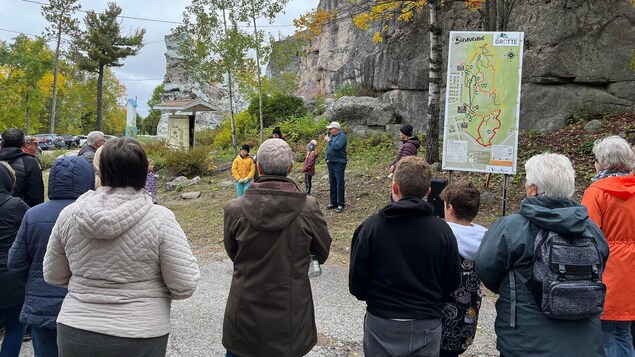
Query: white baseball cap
[{"x": 335, "y": 125}]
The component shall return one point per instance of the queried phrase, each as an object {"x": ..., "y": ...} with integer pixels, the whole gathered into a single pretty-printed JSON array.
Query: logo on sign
[{"x": 507, "y": 39}]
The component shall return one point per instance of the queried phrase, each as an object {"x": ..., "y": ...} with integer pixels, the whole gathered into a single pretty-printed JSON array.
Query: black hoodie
[
  {"x": 12, "y": 209},
  {"x": 404, "y": 262},
  {"x": 29, "y": 185}
]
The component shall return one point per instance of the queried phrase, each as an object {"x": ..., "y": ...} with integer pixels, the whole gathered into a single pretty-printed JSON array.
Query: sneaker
[
  {"x": 339, "y": 209},
  {"x": 330, "y": 206}
]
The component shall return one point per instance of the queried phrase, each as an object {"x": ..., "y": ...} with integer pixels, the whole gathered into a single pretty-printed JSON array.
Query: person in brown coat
[
  {"x": 308, "y": 167},
  {"x": 269, "y": 234}
]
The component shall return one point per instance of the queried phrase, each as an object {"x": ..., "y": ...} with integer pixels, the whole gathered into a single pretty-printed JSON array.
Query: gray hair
[
  {"x": 552, "y": 174},
  {"x": 93, "y": 137},
  {"x": 613, "y": 153},
  {"x": 275, "y": 157}
]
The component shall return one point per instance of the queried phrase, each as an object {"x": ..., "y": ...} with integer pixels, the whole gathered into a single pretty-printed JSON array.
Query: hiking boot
[
  {"x": 330, "y": 206},
  {"x": 339, "y": 209}
]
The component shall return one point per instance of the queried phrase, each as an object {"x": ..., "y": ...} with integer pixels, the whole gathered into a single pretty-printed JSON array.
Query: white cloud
[{"x": 142, "y": 73}]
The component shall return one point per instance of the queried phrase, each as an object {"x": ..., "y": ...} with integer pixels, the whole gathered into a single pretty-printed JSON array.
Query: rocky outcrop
[
  {"x": 179, "y": 84},
  {"x": 577, "y": 58}
]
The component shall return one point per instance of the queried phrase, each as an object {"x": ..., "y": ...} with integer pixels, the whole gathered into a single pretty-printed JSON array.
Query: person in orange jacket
[
  {"x": 610, "y": 201},
  {"x": 243, "y": 169}
]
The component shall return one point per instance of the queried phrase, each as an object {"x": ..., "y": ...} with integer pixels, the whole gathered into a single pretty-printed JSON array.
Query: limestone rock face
[
  {"x": 577, "y": 58},
  {"x": 179, "y": 84}
]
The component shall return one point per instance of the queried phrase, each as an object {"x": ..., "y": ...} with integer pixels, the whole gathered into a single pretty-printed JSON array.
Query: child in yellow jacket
[{"x": 243, "y": 169}]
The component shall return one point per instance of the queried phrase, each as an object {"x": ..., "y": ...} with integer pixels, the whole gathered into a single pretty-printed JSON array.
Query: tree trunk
[
  {"x": 55, "y": 70},
  {"x": 100, "y": 83},
  {"x": 231, "y": 92},
  {"x": 257, "y": 42},
  {"x": 494, "y": 15},
  {"x": 487, "y": 20},
  {"x": 434, "y": 94},
  {"x": 28, "y": 114}
]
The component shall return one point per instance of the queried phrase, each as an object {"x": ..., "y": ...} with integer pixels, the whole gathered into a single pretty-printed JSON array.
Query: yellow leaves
[
  {"x": 45, "y": 84},
  {"x": 377, "y": 38},
  {"x": 476, "y": 4},
  {"x": 310, "y": 25},
  {"x": 385, "y": 11}
]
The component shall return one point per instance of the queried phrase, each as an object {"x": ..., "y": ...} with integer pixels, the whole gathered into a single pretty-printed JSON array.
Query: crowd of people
[{"x": 93, "y": 270}]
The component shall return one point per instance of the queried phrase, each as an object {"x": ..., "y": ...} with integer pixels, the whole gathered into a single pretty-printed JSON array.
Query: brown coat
[{"x": 269, "y": 235}]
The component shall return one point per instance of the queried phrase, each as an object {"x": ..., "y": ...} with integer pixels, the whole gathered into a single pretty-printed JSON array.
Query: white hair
[
  {"x": 552, "y": 174},
  {"x": 93, "y": 137},
  {"x": 613, "y": 153},
  {"x": 275, "y": 157}
]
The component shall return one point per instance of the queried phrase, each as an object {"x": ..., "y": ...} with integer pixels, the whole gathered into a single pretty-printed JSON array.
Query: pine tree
[{"x": 103, "y": 45}]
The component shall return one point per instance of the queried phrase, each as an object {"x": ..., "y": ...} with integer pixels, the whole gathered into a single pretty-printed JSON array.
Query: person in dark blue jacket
[
  {"x": 12, "y": 209},
  {"x": 336, "y": 162},
  {"x": 70, "y": 177}
]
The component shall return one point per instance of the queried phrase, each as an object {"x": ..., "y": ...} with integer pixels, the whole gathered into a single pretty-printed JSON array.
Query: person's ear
[
  {"x": 395, "y": 188},
  {"x": 260, "y": 173},
  {"x": 427, "y": 193},
  {"x": 290, "y": 168}
]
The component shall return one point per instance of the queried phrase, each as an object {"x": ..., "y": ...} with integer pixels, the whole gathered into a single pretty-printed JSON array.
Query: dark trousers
[
  {"x": 13, "y": 331},
  {"x": 387, "y": 338},
  {"x": 74, "y": 342},
  {"x": 336, "y": 182},
  {"x": 307, "y": 183},
  {"x": 44, "y": 341}
]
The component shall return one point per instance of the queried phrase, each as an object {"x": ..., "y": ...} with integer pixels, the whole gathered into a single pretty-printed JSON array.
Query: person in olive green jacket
[
  {"x": 269, "y": 234},
  {"x": 243, "y": 169},
  {"x": 521, "y": 328}
]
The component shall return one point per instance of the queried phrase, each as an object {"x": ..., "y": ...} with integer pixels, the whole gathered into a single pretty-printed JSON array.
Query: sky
[{"x": 143, "y": 72}]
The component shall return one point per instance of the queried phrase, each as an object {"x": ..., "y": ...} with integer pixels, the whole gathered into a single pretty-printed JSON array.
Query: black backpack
[{"x": 566, "y": 279}]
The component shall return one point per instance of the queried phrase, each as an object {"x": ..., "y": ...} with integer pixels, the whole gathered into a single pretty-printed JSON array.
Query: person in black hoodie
[
  {"x": 29, "y": 185},
  {"x": 404, "y": 264},
  {"x": 12, "y": 209}
]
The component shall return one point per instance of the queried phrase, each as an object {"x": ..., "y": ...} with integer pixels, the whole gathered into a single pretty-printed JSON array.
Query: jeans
[
  {"x": 13, "y": 331},
  {"x": 618, "y": 341},
  {"x": 336, "y": 182},
  {"x": 44, "y": 342},
  {"x": 74, "y": 342},
  {"x": 387, "y": 338},
  {"x": 307, "y": 183},
  {"x": 241, "y": 187}
]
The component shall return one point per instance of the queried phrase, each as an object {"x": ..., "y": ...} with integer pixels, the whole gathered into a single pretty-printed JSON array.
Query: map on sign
[{"x": 483, "y": 101}]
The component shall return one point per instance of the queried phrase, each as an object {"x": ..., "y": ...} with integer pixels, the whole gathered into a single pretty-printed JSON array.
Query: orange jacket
[{"x": 611, "y": 204}]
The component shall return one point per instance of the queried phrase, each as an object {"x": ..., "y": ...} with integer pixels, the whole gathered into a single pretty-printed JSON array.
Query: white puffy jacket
[{"x": 124, "y": 259}]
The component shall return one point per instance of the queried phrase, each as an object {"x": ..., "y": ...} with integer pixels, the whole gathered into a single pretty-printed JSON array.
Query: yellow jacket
[{"x": 242, "y": 168}]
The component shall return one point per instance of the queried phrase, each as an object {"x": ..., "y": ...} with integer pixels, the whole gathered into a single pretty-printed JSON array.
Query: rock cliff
[
  {"x": 577, "y": 58},
  {"x": 179, "y": 84}
]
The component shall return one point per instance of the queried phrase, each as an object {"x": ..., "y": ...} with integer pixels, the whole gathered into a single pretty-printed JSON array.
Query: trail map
[{"x": 483, "y": 101}]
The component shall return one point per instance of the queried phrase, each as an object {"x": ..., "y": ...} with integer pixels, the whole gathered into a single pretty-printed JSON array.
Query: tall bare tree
[{"x": 60, "y": 15}]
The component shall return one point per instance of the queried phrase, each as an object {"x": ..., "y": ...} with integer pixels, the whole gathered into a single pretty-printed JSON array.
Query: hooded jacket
[
  {"x": 409, "y": 148},
  {"x": 87, "y": 152},
  {"x": 124, "y": 259},
  {"x": 12, "y": 209},
  {"x": 69, "y": 178},
  {"x": 508, "y": 245},
  {"x": 269, "y": 234},
  {"x": 404, "y": 262},
  {"x": 611, "y": 204},
  {"x": 29, "y": 185},
  {"x": 243, "y": 167}
]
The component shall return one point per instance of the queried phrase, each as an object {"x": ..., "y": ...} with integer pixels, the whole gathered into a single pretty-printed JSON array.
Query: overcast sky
[{"x": 143, "y": 72}]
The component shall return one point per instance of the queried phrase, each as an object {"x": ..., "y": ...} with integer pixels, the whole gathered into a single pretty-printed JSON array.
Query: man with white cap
[{"x": 336, "y": 162}]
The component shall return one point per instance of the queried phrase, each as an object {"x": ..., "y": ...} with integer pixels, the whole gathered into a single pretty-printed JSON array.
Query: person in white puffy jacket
[{"x": 123, "y": 258}]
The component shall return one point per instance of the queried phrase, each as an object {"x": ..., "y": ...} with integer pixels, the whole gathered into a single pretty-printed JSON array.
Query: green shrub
[
  {"x": 205, "y": 137},
  {"x": 47, "y": 160},
  {"x": 247, "y": 128},
  {"x": 277, "y": 107},
  {"x": 157, "y": 151},
  {"x": 345, "y": 90},
  {"x": 192, "y": 162},
  {"x": 303, "y": 129}
]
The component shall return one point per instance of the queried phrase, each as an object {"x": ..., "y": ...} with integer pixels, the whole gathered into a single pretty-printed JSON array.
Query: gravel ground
[{"x": 197, "y": 322}]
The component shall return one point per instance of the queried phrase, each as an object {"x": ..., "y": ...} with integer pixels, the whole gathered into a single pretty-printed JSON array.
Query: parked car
[
  {"x": 82, "y": 139},
  {"x": 71, "y": 140},
  {"x": 45, "y": 141}
]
